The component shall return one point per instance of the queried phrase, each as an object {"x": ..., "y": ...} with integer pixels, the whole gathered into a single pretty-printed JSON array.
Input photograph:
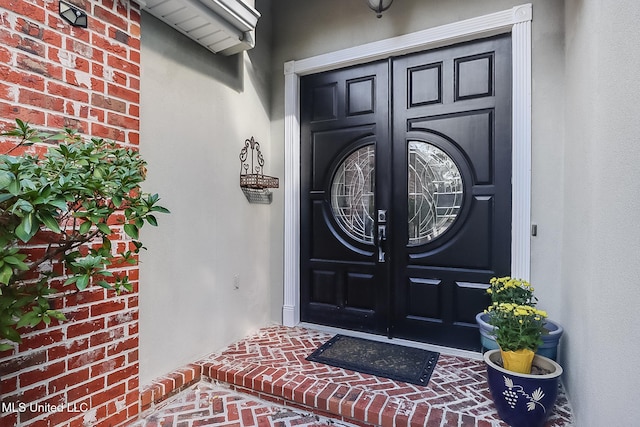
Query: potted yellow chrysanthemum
[
  {"x": 516, "y": 291},
  {"x": 524, "y": 397},
  {"x": 519, "y": 328},
  {"x": 510, "y": 289}
]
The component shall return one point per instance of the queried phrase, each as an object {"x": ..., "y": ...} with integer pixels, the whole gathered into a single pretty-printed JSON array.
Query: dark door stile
[
  {"x": 343, "y": 284},
  {"x": 453, "y": 103}
]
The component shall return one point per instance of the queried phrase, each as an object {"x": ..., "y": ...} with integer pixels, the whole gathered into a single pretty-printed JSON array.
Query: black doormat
[{"x": 396, "y": 362}]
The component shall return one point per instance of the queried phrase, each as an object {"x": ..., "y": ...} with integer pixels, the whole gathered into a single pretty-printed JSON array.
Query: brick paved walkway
[
  {"x": 271, "y": 365},
  {"x": 211, "y": 404}
]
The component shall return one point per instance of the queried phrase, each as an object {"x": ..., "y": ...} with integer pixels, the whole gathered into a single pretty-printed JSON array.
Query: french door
[{"x": 406, "y": 192}]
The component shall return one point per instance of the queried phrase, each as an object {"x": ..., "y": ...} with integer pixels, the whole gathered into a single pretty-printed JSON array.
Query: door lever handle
[{"x": 382, "y": 237}]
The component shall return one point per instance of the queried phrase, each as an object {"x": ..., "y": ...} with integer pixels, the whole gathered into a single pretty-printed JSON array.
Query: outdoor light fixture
[
  {"x": 73, "y": 15},
  {"x": 379, "y": 6}
]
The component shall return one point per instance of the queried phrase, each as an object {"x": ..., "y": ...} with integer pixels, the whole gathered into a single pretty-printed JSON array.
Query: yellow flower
[
  {"x": 521, "y": 311},
  {"x": 518, "y": 323}
]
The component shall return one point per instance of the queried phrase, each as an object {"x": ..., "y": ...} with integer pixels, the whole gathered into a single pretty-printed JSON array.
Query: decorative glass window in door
[
  {"x": 352, "y": 194},
  {"x": 435, "y": 192}
]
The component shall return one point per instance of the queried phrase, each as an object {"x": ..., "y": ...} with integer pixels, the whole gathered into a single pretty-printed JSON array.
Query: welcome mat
[{"x": 396, "y": 362}]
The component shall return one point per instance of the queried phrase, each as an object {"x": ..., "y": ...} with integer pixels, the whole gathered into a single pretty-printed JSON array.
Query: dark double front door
[{"x": 406, "y": 192}]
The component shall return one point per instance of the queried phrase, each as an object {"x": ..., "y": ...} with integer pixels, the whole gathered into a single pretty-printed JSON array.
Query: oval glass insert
[
  {"x": 435, "y": 192},
  {"x": 352, "y": 194}
]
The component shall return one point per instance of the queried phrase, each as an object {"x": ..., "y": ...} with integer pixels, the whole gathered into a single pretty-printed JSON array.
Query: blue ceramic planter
[
  {"x": 523, "y": 400},
  {"x": 550, "y": 341}
]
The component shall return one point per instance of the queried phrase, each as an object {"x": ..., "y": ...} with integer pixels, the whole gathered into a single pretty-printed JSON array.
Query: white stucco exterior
[
  {"x": 600, "y": 232},
  {"x": 197, "y": 109}
]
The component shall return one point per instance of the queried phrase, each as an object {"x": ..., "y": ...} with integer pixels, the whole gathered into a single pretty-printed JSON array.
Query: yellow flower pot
[{"x": 518, "y": 361}]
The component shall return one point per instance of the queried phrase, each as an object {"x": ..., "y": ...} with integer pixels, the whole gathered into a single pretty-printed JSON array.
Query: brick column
[{"x": 83, "y": 371}]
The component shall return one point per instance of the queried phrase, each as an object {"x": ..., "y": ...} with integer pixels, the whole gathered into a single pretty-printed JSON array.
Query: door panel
[
  {"x": 471, "y": 132},
  {"x": 406, "y": 192},
  {"x": 469, "y": 248},
  {"x": 344, "y": 136},
  {"x": 471, "y": 123},
  {"x": 326, "y": 145}
]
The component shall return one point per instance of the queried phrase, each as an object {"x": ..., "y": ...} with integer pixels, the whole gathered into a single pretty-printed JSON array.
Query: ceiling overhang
[{"x": 222, "y": 26}]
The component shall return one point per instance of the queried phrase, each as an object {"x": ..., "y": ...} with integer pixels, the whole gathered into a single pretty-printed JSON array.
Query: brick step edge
[{"x": 340, "y": 402}]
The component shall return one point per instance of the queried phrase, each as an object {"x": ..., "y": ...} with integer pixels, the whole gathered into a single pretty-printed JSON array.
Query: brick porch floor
[{"x": 268, "y": 370}]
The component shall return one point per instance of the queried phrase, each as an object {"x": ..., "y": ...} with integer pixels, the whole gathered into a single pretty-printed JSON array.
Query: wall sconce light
[
  {"x": 73, "y": 15},
  {"x": 379, "y": 6},
  {"x": 254, "y": 183}
]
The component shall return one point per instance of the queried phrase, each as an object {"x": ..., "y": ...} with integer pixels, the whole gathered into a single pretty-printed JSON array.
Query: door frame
[{"x": 516, "y": 21}]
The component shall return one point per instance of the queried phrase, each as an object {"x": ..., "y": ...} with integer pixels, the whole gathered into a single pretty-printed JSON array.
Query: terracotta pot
[{"x": 523, "y": 400}]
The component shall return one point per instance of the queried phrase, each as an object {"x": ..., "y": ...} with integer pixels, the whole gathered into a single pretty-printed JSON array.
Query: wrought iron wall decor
[{"x": 254, "y": 183}]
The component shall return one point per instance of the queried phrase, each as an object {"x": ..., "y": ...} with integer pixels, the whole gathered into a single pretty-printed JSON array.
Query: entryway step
[
  {"x": 212, "y": 404},
  {"x": 271, "y": 365}
]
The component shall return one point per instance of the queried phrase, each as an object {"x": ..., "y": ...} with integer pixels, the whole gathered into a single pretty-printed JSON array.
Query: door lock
[
  {"x": 382, "y": 233},
  {"x": 382, "y": 237}
]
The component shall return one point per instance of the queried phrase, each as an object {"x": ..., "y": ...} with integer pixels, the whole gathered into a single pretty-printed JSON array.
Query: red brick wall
[{"x": 55, "y": 75}]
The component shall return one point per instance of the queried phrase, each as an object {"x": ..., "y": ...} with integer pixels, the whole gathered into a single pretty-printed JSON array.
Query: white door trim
[{"x": 516, "y": 21}]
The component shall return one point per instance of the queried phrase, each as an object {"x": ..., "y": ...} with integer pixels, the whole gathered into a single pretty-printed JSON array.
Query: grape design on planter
[
  {"x": 512, "y": 391},
  {"x": 511, "y": 397}
]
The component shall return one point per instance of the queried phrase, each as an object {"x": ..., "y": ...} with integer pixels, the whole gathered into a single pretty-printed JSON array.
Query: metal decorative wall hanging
[{"x": 254, "y": 183}]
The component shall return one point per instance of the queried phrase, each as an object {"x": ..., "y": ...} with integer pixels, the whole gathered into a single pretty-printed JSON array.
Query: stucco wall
[
  {"x": 197, "y": 109},
  {"x": 599, "y": 255}
]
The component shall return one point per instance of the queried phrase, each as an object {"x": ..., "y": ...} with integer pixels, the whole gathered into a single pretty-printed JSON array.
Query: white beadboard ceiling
[{"x": 222, "y": 26}]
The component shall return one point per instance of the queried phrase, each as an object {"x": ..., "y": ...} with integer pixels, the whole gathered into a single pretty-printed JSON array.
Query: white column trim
[
  {"x": 521, "y": 151},
  {"x": 517, "y": 21},
  {"x": 291, "y": 307}
]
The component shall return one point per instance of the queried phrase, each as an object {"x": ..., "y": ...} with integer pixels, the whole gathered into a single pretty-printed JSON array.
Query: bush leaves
[{"x": 74, "y": 192}]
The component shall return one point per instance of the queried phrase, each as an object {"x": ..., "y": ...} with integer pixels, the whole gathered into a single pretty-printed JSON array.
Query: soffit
[{"x": 222, "y": 26}]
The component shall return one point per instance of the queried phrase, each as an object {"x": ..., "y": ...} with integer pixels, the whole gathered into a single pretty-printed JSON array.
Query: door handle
[
  {"x": 382, "y": 237},
  {"x": 382, "y": 233}
]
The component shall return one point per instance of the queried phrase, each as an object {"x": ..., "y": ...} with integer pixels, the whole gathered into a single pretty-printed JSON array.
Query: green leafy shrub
[{"x": 71, "y": 198}]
